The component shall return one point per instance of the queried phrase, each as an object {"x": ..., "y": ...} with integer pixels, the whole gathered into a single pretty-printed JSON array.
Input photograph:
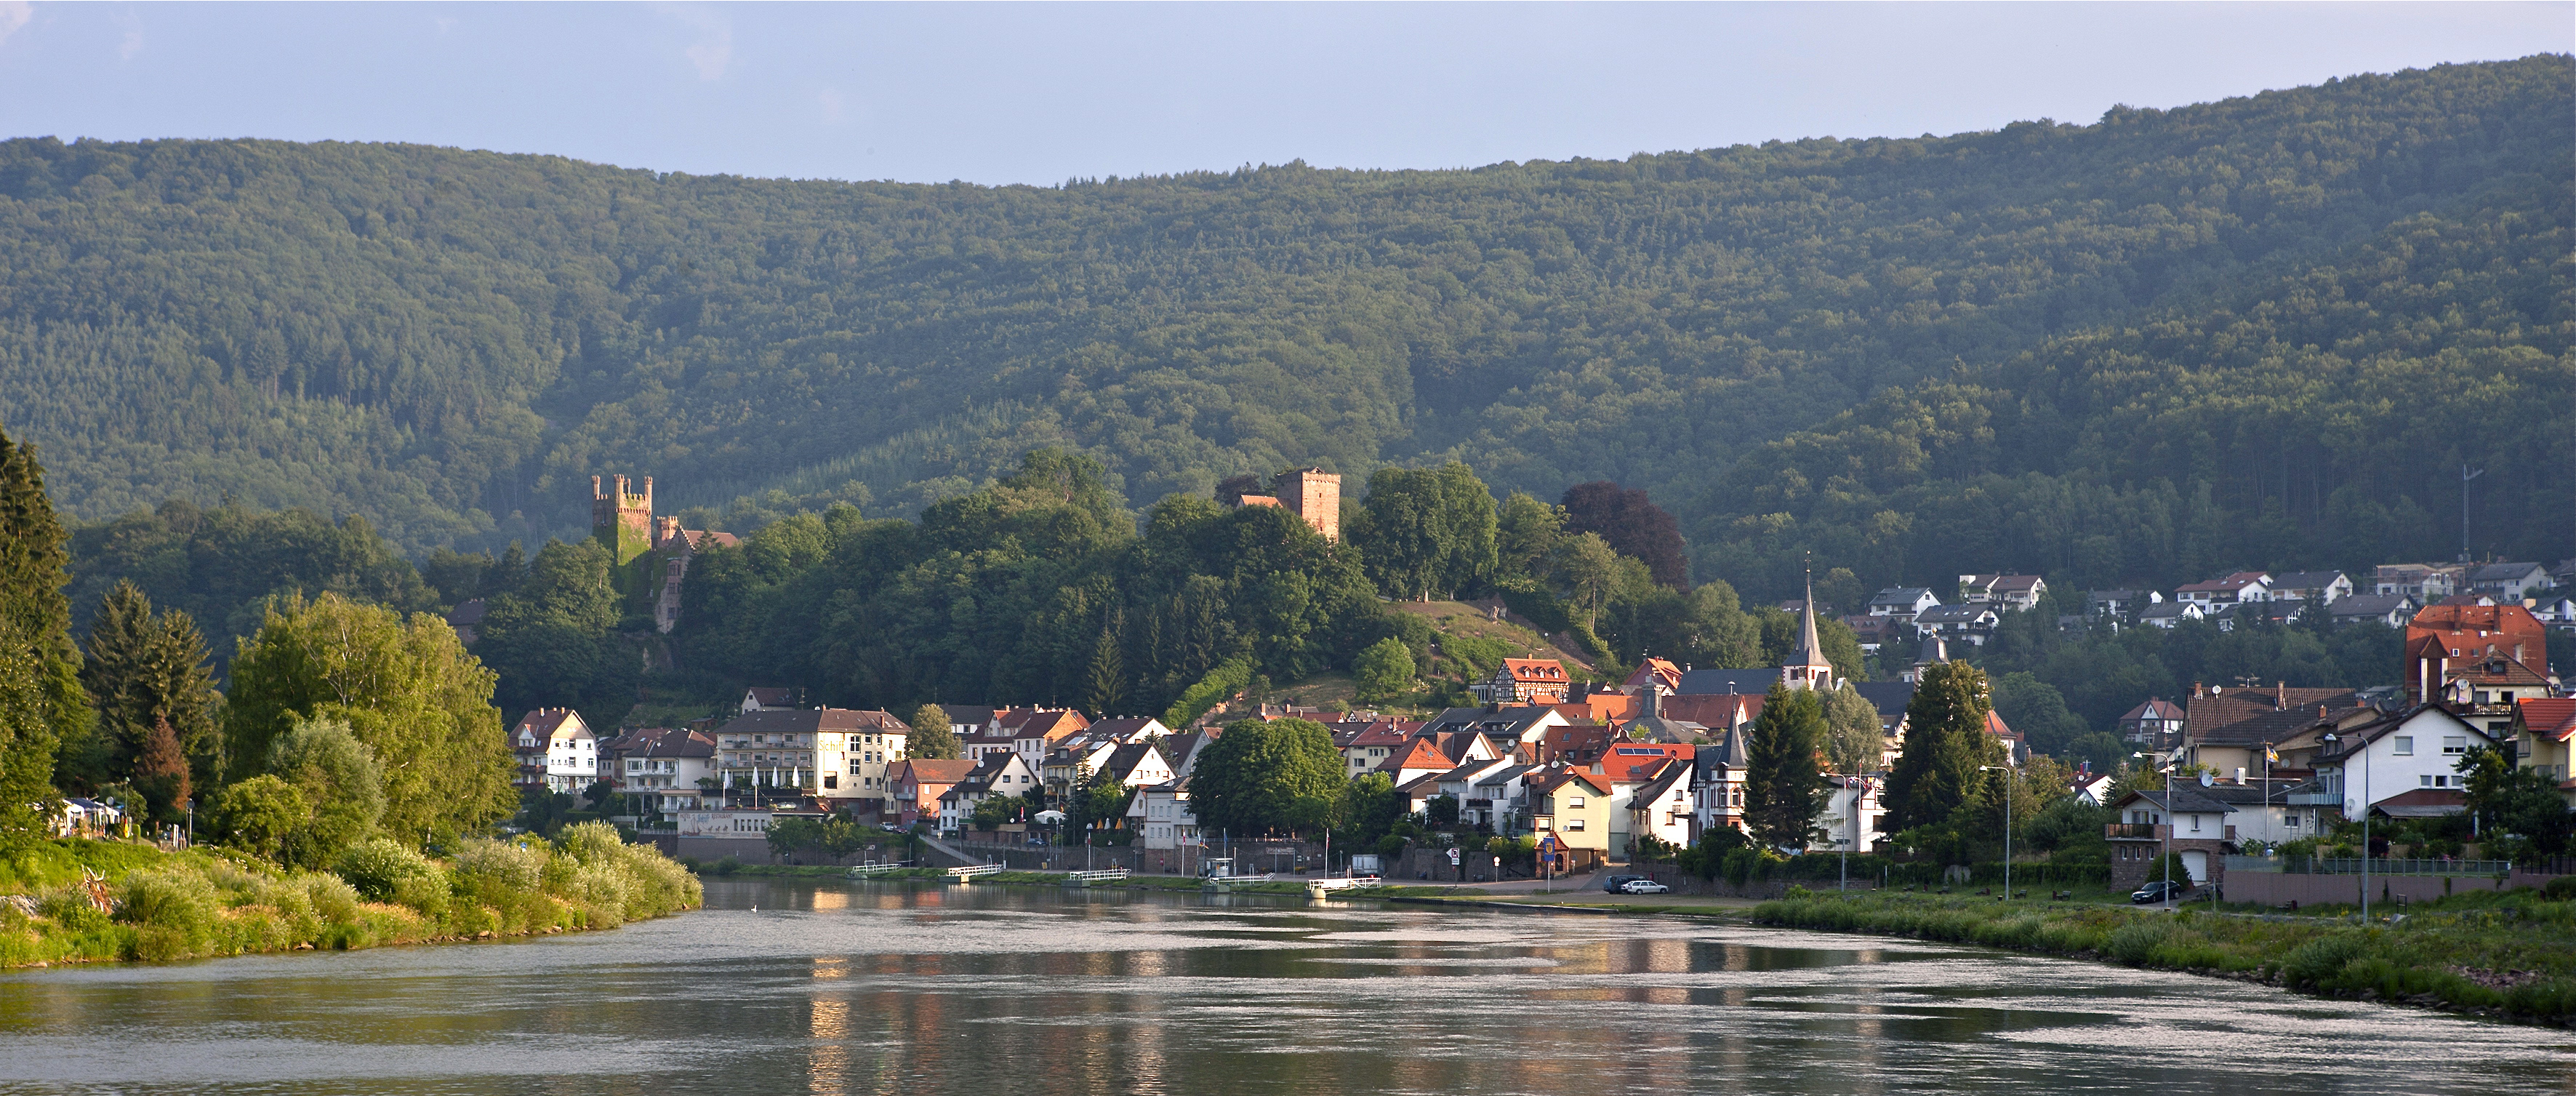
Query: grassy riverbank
[
  {"x": 158, "y": 906},
  {"x": 2511, "y": 954}
]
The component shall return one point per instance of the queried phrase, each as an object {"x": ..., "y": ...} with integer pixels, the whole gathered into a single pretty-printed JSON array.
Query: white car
[{"x": 1643, "y": 886}]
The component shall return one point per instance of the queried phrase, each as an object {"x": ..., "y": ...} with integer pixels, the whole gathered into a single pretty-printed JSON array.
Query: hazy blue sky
[{"x": 1000, "y": 93}]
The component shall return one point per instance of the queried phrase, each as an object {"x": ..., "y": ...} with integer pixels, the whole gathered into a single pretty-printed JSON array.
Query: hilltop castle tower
[
  {"x": 1309, "y": 493},
  {"x": 1315, "y": 495},
  {"x": 622, "y": 520}
]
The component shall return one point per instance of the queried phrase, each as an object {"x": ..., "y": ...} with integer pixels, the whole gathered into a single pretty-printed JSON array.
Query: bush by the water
[
  {"x": 161, "y": 906},
  {"x": 2513, "y": 952}
]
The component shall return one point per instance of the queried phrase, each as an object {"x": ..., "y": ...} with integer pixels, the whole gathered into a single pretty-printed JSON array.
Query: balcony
[{"x": 2134, "y": 831}]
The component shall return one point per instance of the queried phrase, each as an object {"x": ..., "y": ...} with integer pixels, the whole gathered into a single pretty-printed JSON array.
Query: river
[{"x": 803, "y": 987}]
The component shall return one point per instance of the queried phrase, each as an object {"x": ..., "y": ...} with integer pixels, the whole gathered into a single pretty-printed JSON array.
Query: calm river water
[{"x": 980, "y": 991}]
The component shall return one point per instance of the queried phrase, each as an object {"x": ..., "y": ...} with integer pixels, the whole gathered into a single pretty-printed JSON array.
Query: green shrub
[
  {"x": 2316, "y": 963},
  {"x": 2560, "y": 889},
  {"x": 2135, "y": 943},
  {"x": 591, "y": 843},
  {"x": 379, "y": 865},
  {"x": 495, "y": 867},
  {"x": 331, "y": 897}
]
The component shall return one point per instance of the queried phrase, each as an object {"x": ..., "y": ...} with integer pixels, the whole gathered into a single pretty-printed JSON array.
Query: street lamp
[
  {"x": 2164, "y": 840},
  {"x": 2365, "y": 822},
  {"x": 2008, "y": 798}
]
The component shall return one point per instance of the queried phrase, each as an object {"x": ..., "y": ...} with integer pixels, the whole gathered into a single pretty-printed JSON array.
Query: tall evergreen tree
[
  {"x": 146, "y": 670},
  {"x": 26, "y": 740},
  {"x": 1784, "y": 780},
  {"x": 1105, "y": 684},
  {"x": 1945, "y": 742},
  {"x": 32, "y": 561}
]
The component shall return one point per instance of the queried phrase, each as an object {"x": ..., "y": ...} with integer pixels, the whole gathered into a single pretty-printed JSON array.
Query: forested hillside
[{"x": 2261, "y": 331}]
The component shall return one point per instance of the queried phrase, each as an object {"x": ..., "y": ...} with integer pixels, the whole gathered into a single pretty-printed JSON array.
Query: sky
[{"x": 1009, "y": 93}]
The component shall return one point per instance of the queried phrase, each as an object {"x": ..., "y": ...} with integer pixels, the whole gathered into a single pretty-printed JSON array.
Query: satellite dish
[{"x": 2205, "y": 779}]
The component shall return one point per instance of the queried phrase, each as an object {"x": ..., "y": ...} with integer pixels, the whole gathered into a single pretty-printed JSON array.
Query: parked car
[
  {"x": 2160, "y": 890},
  {"x": 1615, "y": 882},
  {"x": 1643, "y": 886}
]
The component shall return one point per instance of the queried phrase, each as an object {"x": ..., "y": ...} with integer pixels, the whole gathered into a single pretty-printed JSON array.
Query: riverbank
[
  {"x": 82, "y": 901},
  {"x": 2510, "y": 955}
]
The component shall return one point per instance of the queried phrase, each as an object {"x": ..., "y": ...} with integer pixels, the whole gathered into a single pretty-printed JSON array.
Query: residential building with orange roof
[
  {"x": 1526, "y": 681},
  {"x": 2544, "y": 737},
  {"x": 2485, "y": 656}
]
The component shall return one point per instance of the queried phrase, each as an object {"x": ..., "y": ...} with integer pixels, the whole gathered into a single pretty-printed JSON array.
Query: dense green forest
[{"x": 2249, "y": 332}]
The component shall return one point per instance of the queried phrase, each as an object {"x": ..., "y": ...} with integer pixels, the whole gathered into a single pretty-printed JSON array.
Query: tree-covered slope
[{"x": 2153, "y": 305}]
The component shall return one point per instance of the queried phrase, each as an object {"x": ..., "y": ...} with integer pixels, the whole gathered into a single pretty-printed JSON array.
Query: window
[
  {"x": 1574, "y": 803},
  {"x": 2405, "y": 746},
  {"x": 854, "y": 768},
  {"x": 2195, "y": 823},
  {"x": 831, "y": 780},
  {"x": 2456, "y": 744},
  {"x": 1538, "y": 824},
  {"x": 1574, "y": 823}
]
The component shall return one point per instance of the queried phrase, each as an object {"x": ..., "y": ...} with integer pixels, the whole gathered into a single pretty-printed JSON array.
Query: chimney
[
  {"x": 2240, "y": 776},
  {"x": 2197, "y": 692},
  {"x": 2280, "y": 696}
]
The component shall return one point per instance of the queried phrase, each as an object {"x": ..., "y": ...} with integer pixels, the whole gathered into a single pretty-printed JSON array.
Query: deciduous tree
[{"x": 407, "y": 690}]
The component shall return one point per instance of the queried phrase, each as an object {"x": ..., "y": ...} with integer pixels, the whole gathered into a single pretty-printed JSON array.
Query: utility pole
[{"x": 2465, "y": 477}]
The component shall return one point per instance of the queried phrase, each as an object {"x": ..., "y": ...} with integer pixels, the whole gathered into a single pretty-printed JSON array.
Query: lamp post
[
  {"x": 2164, "y": 839},
  {"x": 2365, "y": 820},
  {"x": 2008, "y": 814}
]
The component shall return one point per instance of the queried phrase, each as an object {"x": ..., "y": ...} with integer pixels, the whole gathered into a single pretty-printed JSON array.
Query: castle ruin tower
[
  {"x": 1807, "y": 667},
  {"x": 621, "y": 519},
  {"x": 1315, "y": 495}
]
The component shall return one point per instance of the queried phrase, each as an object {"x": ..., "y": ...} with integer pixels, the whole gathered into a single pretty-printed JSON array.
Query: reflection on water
[{"x": 918, "y": 990}]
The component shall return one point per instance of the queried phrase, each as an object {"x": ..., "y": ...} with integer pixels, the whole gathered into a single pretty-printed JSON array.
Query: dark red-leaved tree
[{"x": 1632, "y": 524}]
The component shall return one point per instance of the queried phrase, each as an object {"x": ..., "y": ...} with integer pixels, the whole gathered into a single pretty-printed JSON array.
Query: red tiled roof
[
  {"x": 1536, "y": 671},
  {"x": 2551, "y": 717}
]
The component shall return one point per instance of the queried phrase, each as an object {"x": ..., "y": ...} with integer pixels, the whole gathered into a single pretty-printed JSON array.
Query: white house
[
  {"x": 2169, "y": 614},
  {"x": 999, "y": 774},
  {"x": 1661, "y": 808},
  {"x": 2243, "y": 586},
  {"x": 1901, "y": 602},
  {"x": 556, "y": 751},
  {"x": 663, "y": 766},
  {"x": 1160, "y": 816},
  {"x": 2507, "y": 582},
  {"x": 1850, "y": 817},
  {"x": 2323, "y": 587},
  {"x": 2414, "y": 749},
  {"x": 2015, "y": 592}
]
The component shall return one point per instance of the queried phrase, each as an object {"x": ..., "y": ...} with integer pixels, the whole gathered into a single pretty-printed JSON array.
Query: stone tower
[
  {"x": 1807, "y": 667},
  {"x": 1315, "y": 495},
  {"x": 622, "y": 520}
]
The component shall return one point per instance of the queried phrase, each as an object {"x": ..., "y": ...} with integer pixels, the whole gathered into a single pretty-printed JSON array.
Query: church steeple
[{"x": 1807, "y": 667}]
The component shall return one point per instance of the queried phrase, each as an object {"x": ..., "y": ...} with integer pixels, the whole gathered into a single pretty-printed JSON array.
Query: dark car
[
  {"x": 1615, "y": 882},
  {"x": 2159, "y": 891}
]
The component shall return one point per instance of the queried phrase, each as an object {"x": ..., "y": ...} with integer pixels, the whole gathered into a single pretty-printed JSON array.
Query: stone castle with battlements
[
  {"x": 1309, "y": 493},
  {"x": 648, "y": 555}
]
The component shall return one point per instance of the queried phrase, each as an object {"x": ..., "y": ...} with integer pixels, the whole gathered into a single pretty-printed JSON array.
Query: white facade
[
  {"x": 1161, "y": 817},
  {"x": 572, "y": 759},
  {"x": 2418, "y": 753},
  {"x": 1850, "y": 817}
]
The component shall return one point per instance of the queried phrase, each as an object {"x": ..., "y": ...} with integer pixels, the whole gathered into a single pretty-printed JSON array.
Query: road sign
[
  {"x": 1453, "y": 858},
  {"x": 1549, "y": 844}
]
